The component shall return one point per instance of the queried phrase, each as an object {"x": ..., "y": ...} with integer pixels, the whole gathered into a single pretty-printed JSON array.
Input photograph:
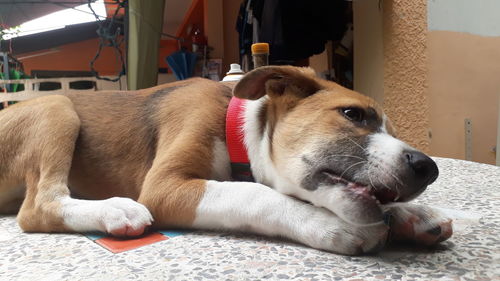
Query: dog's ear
[{"x": 277, "y": 81}]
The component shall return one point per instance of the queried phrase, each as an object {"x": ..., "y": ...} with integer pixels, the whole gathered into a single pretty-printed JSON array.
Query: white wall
[{"x": 480, "y": 17}]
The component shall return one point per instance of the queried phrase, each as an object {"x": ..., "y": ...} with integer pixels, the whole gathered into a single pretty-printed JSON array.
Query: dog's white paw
[
  {"x": 328, "y": 232},
  {"x": 419, "y": 224},
  {"x": 118, "y": 216},
  {"x": 124, "y": 217}
]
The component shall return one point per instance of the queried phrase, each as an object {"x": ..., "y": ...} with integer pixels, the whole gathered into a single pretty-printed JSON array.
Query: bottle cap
[
  {"x": 235, "y": 69},
  {"x": 260, "y": 48}
]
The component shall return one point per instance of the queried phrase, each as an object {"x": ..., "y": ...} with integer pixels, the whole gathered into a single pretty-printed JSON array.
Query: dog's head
[{"x": 323, "y": 136}]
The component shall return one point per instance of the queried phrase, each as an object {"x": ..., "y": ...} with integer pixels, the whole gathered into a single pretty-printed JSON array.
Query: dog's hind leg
[
  {"x": 12, "y": 188},
  {"x": 38, "y": 139},
  {"x": 36, "y": 152},
  {"x": 11, "y": 198}
]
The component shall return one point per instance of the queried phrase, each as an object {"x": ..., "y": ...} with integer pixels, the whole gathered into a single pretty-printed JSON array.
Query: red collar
[{"x": 240, "y": 165}]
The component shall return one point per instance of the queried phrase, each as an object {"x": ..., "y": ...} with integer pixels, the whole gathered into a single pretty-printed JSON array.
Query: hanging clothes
[{"x": 294, "y": 29}]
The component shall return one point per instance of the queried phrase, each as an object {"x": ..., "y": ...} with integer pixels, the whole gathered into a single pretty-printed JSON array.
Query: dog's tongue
[
  {"x": 360, "y": 189},
  {"x": 382, "y": 195}
]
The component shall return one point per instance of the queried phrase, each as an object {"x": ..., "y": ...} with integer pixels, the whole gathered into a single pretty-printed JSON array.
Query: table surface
[{"x": 471, "y": 190}]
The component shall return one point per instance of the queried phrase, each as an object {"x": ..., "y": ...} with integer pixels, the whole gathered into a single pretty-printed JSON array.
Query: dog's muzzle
[{"x": 420, "y": 172}]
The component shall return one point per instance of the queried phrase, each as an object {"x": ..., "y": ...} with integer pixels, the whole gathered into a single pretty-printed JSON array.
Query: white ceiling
[{"x": 16, "y": 12}]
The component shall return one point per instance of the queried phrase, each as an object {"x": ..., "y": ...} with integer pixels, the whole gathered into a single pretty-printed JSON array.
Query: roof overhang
[{"x": 16, "y": 12}]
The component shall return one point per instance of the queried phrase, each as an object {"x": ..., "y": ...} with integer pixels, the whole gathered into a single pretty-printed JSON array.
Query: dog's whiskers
[
  {"x": 357, "y": 163},
  {"x": 398, "y": 181},
  {"x": 371, "y": 182},
  {"x": 395, "y": 177},
  {"x": 357, "y": 144},
  {"x": 396, "y": 188},
  {"x": 384, "y": 184},
  {"x": 345, "y": 155}
]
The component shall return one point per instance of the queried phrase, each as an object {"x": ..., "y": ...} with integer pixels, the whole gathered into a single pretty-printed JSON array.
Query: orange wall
[
  {"x": 167, "y": 47},
  {"x": 77, "y": 57},
  {"x": 74, "y": 56},
  {"x": 463, "y": 83}
]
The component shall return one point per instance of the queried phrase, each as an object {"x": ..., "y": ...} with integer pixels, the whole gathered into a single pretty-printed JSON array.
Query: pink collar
[{"x": 240, "y": 165}]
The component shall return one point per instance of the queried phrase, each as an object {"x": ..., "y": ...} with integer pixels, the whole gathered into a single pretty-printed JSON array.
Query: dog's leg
[
  {"x": 419, "y": 224},
  {"x": 243, "y": 206},
  {"x": 118, "y": 216},
  {"x": 44, "y": 132},
  {"x": 258, "y": 208},
  {"x": 38, "y": 138}
]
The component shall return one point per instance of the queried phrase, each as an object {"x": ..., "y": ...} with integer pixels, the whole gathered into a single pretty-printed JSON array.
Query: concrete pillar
[
  {"x": 145, "y": 27},
  {"x": 405, "y": 70}
]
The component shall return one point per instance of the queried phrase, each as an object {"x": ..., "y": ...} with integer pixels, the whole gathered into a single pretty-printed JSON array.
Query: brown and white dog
[{"x": 325, "y": 161}]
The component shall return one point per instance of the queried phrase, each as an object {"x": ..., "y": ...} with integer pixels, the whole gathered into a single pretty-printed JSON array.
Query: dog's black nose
[{"x": 425, "y": 169}]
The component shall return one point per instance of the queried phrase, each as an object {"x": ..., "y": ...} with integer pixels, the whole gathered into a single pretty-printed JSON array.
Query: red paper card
[{"x": 118, "y": 245}]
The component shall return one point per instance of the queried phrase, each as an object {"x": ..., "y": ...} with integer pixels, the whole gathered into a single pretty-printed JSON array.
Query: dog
[{"x": 324, "y": 168}]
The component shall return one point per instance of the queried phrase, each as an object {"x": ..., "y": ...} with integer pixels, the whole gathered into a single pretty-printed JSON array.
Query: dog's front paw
[
  {"x": 124, "y": 217},
  {"x": 419, "y": 224},
  {"x": 335, "y": 235}
]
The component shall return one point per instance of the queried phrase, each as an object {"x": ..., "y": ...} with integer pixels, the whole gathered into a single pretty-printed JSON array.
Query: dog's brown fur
[{"x": 129, "y": 144}]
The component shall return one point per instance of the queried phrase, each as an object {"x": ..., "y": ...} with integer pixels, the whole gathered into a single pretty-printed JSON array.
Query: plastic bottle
[
  {"x": 260, "y": 54},
  {"x": 235, "y": 73}
]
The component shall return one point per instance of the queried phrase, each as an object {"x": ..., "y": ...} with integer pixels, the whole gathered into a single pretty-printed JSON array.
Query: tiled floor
[{"x": 473, "y": 253}]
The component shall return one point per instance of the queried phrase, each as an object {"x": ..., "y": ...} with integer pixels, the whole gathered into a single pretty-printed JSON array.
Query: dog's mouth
[{"x": 381, "y": 195}]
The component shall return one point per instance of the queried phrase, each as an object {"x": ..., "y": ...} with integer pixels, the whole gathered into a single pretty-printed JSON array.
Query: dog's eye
[{"x": 353, "y": 114}]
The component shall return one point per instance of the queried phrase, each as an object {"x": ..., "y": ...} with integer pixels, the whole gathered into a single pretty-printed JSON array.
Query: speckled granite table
[{"x": 473, "y": 253}]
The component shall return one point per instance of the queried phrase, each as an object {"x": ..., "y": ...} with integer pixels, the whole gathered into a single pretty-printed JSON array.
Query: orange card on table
[{"x": 118, "y": 245}]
